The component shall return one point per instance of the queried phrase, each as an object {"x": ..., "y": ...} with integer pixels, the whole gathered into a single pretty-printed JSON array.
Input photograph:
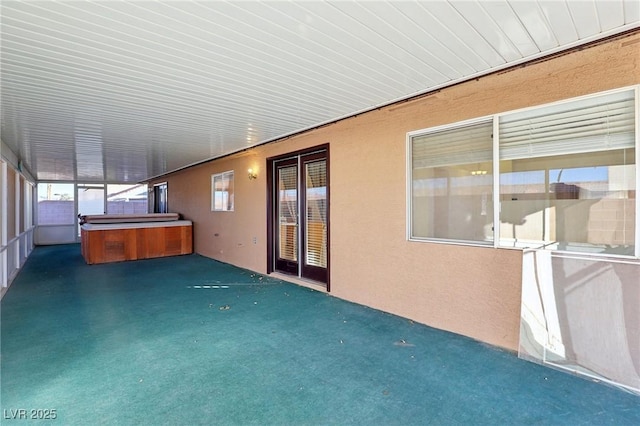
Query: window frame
[
  {"x": 229, "y": 206},
  {"x": 435, "y": 130},
  {"x": 155, "y": 190},
  {"x": 495, "y": 119}
]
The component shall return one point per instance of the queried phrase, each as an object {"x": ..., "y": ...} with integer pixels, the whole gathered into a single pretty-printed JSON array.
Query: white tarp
[{"x": 582, "y": 314}]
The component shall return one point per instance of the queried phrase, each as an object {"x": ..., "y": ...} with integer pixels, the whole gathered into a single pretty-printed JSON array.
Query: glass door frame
[
  {"x": 281, "y": 263},
  {"x": 307, "y": 270},
  {"x": 273, "y": 212}
]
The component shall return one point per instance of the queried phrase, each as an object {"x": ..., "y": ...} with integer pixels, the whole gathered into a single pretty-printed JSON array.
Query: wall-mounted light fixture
[
  {"x": 252, "y": 174},
  {"x": 479, "y": 172}
]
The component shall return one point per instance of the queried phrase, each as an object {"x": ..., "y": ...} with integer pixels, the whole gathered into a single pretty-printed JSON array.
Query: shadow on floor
[{"x": 188, "y": 340}]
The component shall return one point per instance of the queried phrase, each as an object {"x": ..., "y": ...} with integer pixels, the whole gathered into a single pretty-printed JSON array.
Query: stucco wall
[{"x": 472, "y": 291}]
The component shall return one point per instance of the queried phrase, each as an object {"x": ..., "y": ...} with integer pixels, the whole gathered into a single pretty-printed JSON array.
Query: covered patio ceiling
[{"x": 121, "y": 91}]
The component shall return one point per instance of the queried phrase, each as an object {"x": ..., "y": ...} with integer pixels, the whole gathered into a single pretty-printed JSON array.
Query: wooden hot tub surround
[{"x": 104, "y": 239}]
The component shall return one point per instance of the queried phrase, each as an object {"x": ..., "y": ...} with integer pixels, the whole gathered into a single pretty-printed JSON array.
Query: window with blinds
[
  {"x": 222, "y": 193},
  {"x": 568, "y": 177},
  {"x": 316, "y": 215},
  {"x": 588, "y": 125},
  {"x": 451, "y": 184},
  {"x": 462, "y": 145},
  {"x": 288, "y": 212}
]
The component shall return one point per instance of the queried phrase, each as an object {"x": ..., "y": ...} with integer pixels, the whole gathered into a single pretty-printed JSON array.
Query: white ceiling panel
[
  {"x": 121, "y": 91},
  {"x": 631, "y": 11},
  {"x": 441, "y": 39},
  {"x": 585, "y": 15},
  {"x": 561, "y": 21},
  {"x": 490, "y": 31},
  {"x": 452, "y": 17},
  {"x": 508, "y": 25},
  {"x": 610, "y": 16},
  {"x": 538, "y": 26}
]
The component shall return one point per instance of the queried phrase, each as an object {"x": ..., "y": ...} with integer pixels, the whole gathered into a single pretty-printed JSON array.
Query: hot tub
[{"x": 108, "y": 240}]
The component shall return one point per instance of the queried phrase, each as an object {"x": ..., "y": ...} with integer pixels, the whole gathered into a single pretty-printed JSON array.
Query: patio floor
[{"x": 188, "y": 340}]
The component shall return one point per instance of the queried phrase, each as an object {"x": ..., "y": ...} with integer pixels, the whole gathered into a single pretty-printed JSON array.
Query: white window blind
[
  {"x": 288, "y": 212},
  {"x": 594, "y": 124},
  {"x": 316, "y": 232},
  {"x": 461, "y": 145},
  {"x": 449, "y": 199}
]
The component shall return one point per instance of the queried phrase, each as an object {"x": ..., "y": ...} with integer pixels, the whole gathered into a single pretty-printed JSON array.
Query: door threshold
[{"x": 304, "y": 282}]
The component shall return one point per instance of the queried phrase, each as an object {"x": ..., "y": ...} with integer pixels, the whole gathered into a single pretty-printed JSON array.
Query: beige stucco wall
[{"x": 474, "y": 291}]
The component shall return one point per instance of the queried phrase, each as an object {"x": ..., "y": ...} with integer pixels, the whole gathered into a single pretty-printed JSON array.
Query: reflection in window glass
[
  {"x": 567, "y": 178},
  {"x": 222, "y": 192},
  {"x": 582, "y": 202},
  {"x": 567, "y": 175}
]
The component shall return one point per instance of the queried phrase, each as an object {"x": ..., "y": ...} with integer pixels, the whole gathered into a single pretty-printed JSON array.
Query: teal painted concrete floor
[{"x": 188, "y": 340}]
